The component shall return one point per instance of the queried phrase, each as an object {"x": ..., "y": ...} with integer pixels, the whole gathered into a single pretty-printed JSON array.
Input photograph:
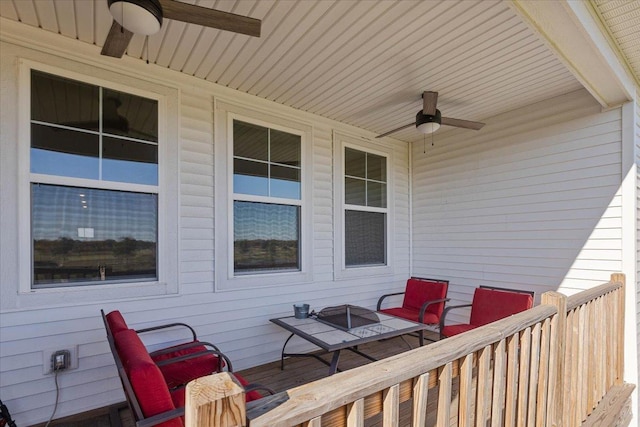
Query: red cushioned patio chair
[
  {"x": 423, "y": 302},
  {"x": 489, "y": 304},
  {"x": 154, "y": 383}
]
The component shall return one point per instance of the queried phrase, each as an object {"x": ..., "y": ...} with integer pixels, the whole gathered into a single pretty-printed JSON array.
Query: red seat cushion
[
  {"x": 429, "y": 318},
  {"x": 182, "y": 372},
  {"x": 490, "y": 305},
  {"x": 146, "y": 379},
  {"x": 116, "y": 322}
]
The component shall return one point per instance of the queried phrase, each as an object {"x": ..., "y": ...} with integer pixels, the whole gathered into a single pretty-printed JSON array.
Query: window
[
  {"x": 94, "y": 184},
  {"x": 365, "y": 208},
  {"x": 267, "y": 199},
  {"x": 263, "y": 215}
]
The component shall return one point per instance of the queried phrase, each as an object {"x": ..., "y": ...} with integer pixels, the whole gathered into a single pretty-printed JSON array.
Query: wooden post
[
  {"x": 215, "y": 401},
  {"x": 558, "y": 336},
  {"x": 619, "y": 277}
]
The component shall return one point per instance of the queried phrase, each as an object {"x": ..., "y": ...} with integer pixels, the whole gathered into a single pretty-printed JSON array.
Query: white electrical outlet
[{"x": 47, "y": 355}]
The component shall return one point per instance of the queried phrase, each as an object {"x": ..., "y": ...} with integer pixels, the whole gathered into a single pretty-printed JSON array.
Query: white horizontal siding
[
  {"x": 237, "y": 321},
  {"x": 531, "y": 202}
]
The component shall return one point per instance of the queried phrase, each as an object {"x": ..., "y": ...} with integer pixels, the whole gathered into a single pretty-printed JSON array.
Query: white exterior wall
[
  {"x": 534, "y": 201},
  {"x": 236, "y": 320}
]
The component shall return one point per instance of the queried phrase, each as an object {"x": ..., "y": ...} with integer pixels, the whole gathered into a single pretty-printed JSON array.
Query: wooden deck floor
[{"x": 297, "y": 371}]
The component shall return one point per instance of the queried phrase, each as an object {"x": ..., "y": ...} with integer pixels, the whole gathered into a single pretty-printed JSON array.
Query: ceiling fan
[
  {"x": 145, "y": 17},
  {"x": 429, "y": 119}
]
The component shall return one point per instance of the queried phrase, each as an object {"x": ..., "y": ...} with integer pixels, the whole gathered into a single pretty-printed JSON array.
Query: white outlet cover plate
[{"x": 46, "y": 358}]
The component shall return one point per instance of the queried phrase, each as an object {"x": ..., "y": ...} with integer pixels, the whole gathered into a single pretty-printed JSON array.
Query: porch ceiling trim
[{"x": 570, "y": 31}]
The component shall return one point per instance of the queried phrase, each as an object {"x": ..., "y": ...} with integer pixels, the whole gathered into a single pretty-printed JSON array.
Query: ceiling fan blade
[
  {"x": 467, "y": 124},
  {"x": 117, "y": 41},
  {"x": 429, "y": 102},
  {"x": 194, "y": 14},
  {"x": 396, "y": 130}
]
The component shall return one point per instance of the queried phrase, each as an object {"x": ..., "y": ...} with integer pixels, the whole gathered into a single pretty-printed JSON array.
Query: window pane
[
  {"x": 63, "y": 152},
  {"x": 266, "y": 237},
  {"x": 285, "y": 148},
  {"x": 285, "y": 182},
  {"x": 129, "y": 161},
  {"x": 88, "y": 235},
  {"x": 355, "y": 191},
  {"x": 354, "y": 162},
  {"x": 376, "y": 167},
  {"x": 250, "y": 141},
  {"x": 365, "y": 238},
  {"x": 250, "y": 177},
  {"x": 376, "y": 194},
  {"x": 65, "y": 102},
  {"x": 129, "y": 115}
]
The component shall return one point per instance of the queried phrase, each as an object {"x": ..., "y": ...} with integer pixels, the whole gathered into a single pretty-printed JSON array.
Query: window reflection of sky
[
  {"x": 259, "y": 186},
  {"x": 63, "y": 164},
  {"x": 128, "y": 171},
  {"x": 59, "y": 212}
]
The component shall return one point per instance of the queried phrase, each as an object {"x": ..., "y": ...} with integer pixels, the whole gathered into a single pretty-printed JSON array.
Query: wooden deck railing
[{"x": 552, "y": 365}]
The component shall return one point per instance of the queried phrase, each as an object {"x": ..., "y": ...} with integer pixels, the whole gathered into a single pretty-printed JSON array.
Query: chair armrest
[
  {"x": 384, "y": 296},
  {"x": 160, "y": 418},
  {"x": 427, "y": 304},
  {"x": 446, "y": 311},
  {"x": 168, "y": 325},
  {"x": 220, "y": 355}
]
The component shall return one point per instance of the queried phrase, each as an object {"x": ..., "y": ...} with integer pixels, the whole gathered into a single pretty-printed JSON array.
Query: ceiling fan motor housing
[
  {"x": 427, "y": 123},
  {"x": 138, "y": 16}
]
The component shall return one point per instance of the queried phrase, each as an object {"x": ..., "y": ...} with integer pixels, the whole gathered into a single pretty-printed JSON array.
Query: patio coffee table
[{"x": 333, "y": 339}]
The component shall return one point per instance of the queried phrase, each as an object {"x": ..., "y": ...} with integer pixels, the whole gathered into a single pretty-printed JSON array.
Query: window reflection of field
[
  {"x": 69, "y": 260},
  {"x": 257, "y": 255}
]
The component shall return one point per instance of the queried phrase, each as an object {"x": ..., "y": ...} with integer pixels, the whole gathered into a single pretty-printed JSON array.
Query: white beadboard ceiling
[
  {"x": 621, "y": 18},
  {"x": 364, "y": 63}
]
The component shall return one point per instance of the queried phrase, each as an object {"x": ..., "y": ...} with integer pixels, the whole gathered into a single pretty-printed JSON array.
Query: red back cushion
[
  {"x": 116, "y": 322},
  {"x": 420, "y": 291},
  {"x": 145, "y": 377},
  {"x": 490, "y": 305}
]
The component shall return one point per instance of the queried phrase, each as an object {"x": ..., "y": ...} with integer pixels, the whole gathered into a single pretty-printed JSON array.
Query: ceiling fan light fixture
[
  {"x": 138, "y": 16},
  {"x": 426, "y": 123}
]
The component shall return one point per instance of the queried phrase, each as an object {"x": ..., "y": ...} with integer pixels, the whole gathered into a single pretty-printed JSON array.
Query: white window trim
[
  {"x": 341, "y": 271},
  {"x": 225, "y": 113},
  {"x": 167, "y": 190}
]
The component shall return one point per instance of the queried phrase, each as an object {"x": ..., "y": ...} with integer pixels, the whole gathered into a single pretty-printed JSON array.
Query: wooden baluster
[
  {"x": 391, "y": 406},
  {"x": 355, "y": 413},
  {"x": 511, "y": 404},
  {"x": 499, "y": 378},
  {"x": 420, "y": 396},
  {"x": 523, "y": 377},
  {"x": 543, "y": 380},
  {"x": 533, "y": 374},
  {"x": 444, "y": 395}
]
